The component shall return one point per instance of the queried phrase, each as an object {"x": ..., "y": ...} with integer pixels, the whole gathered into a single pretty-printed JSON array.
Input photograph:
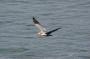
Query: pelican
[{"x": 42, "y": 30}]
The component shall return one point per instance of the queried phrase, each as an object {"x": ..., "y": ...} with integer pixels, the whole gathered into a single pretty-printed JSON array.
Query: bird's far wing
[
  {"x": 52, "y": 31},
  {"x": 38, "y": 25}
]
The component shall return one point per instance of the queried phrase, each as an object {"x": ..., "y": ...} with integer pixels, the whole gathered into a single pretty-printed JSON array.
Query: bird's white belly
[{"x": 42, "y": 34}]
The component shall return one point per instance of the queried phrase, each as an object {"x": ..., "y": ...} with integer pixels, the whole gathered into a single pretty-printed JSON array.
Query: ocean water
[{"x": 18, "y": 39}]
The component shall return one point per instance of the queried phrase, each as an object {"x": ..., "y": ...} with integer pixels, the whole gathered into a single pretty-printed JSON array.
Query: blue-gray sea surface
[{"x": 18, "y": 39}]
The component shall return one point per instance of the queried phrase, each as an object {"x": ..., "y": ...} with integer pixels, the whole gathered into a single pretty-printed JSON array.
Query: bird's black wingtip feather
[
  {"x": 48, "y": 33},
  {"x": 58, "y": 28},
  {"x": 34, "y": 20}
]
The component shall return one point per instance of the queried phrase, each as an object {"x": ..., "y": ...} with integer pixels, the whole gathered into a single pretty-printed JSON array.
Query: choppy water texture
[{"x": 18, "y": 39}]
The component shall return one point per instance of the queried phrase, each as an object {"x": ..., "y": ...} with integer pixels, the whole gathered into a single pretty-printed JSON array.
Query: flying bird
[{"x": 42, "y": 30}]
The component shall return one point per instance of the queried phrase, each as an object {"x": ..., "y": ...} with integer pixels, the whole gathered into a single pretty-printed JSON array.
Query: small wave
[{"x": 4, "y": 58}]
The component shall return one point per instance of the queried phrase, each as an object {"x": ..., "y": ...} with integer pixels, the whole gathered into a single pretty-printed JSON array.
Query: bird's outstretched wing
[
  {"x": 48, "y": 33},
  {"x": 38, "y": 25}
]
